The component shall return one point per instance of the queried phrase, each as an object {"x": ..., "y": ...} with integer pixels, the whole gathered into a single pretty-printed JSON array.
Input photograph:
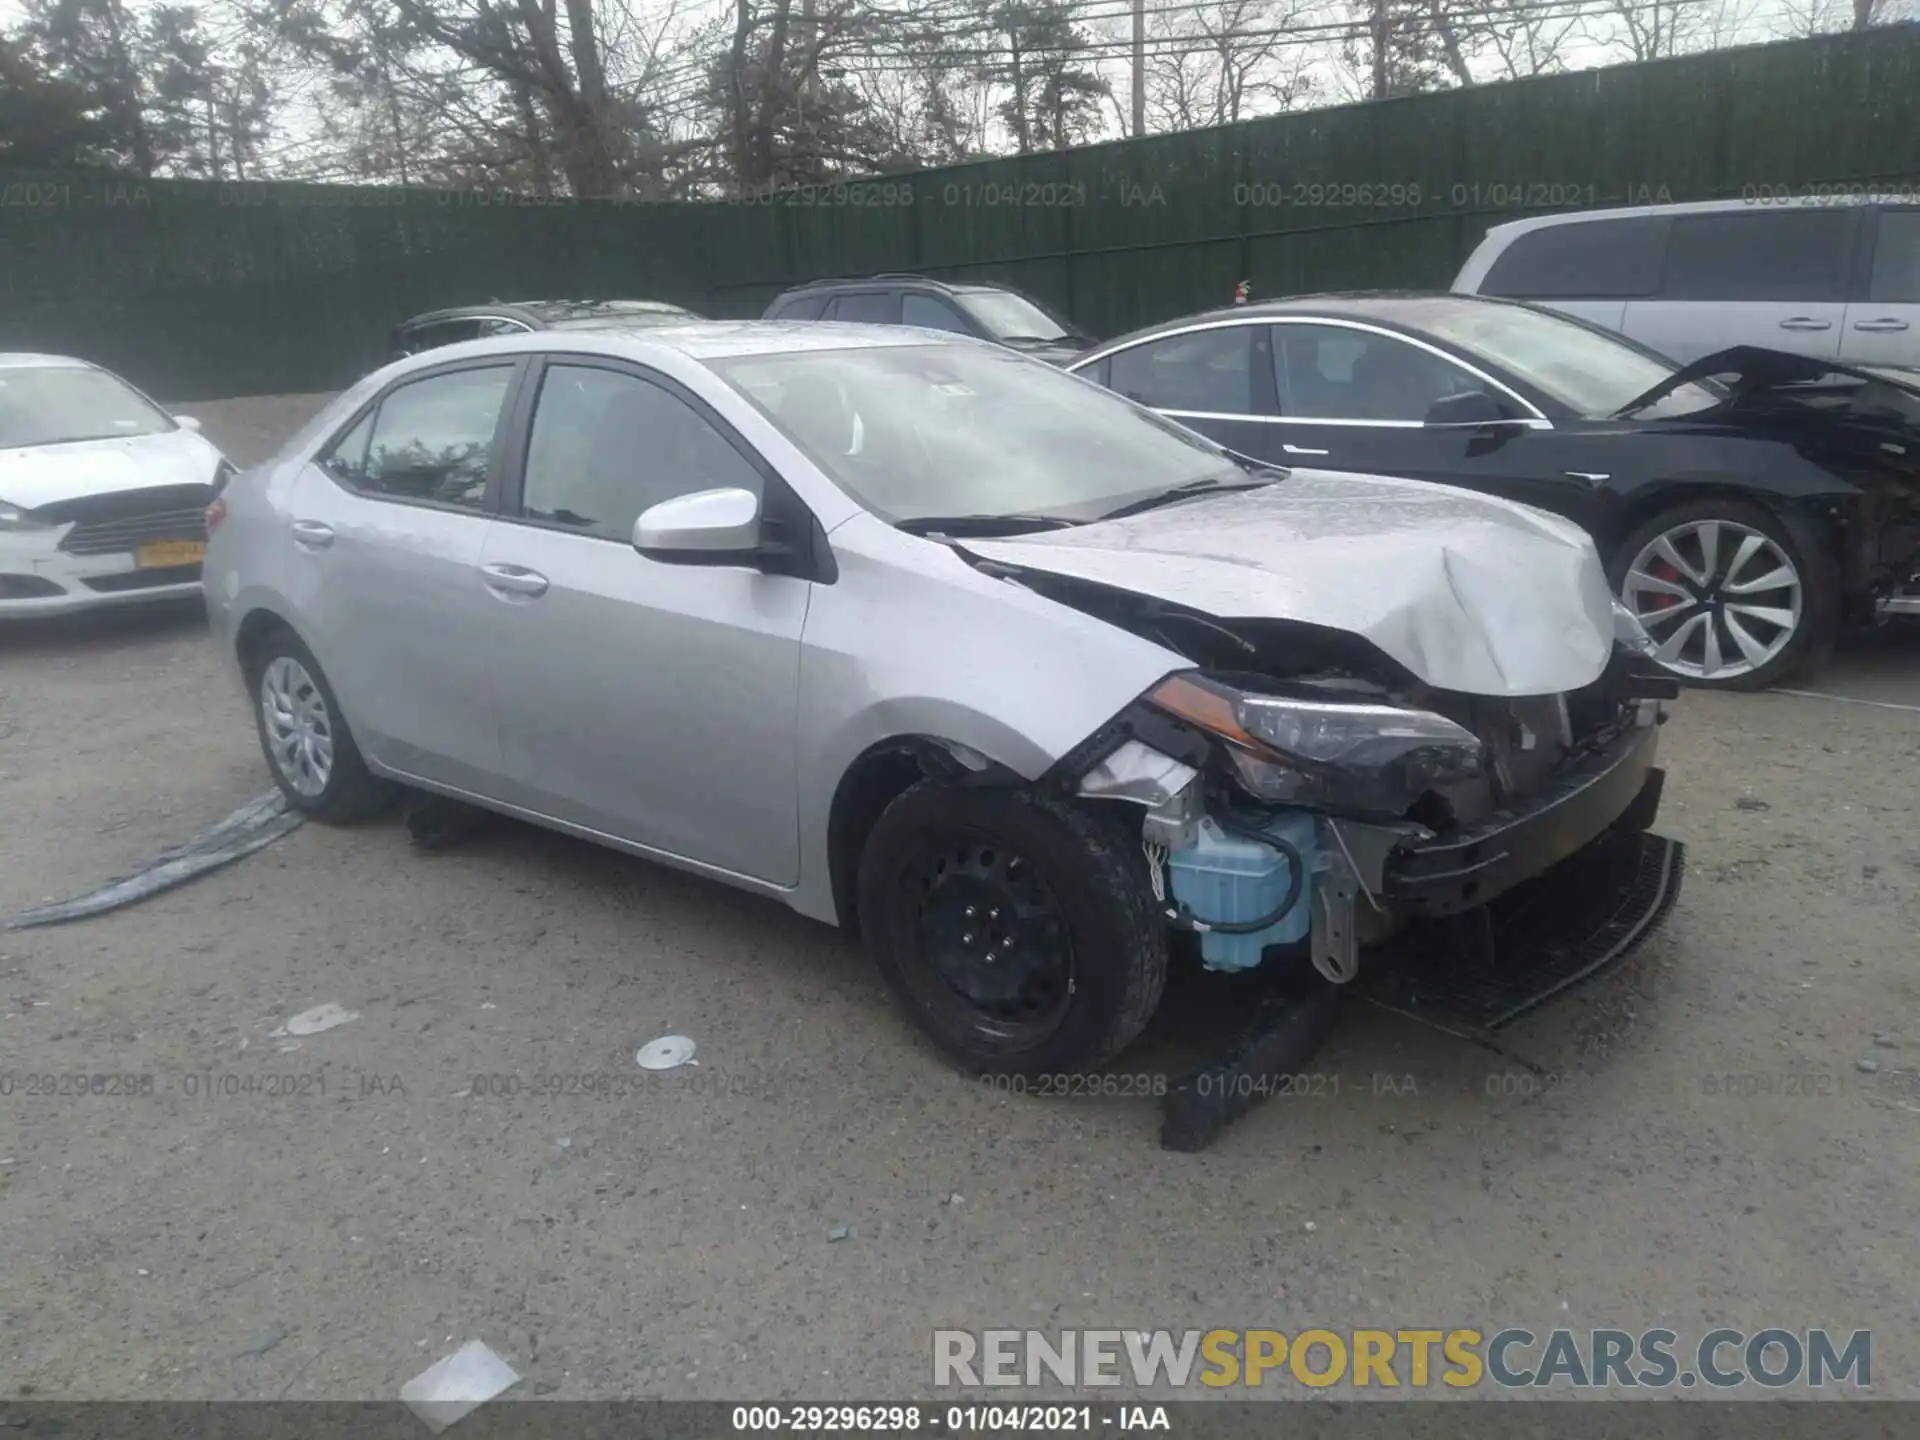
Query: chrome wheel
[
  {"x": 1719, "y": 598},
  {"x": 298, "y": 727}
]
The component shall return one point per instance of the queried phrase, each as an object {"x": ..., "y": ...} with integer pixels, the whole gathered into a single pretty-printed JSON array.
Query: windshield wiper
[
  {"x": 1031, "y": 339},
  {"x": 980, "y": 525},
  {"x": 1192, "y": 490}
]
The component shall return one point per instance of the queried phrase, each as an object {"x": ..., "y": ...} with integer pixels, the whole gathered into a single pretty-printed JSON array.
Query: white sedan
[{"x": 103, "y": 495}]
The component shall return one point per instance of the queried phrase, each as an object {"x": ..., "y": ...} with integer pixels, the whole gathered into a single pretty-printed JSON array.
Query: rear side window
[
  {"x": 431, "y": 440},
  {"x": 1584, "y": 259},
  {"x": 1896, "y": 258},
  {"x": 799, "y": 307},
  {"x": 1765, "y": 255},
  {"x": 441, "y": 332},
  {"x": 867, "y": 307}
]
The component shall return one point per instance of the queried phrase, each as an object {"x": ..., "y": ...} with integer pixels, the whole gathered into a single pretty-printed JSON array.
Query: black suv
[
  {"x": 471, "y": 322},
  {"x": 989, "y": 312}
]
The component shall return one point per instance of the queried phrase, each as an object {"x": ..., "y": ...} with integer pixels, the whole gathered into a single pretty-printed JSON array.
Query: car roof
[
  {"x": 549, "y": 312},
  {"x": 954, "y": 287},
  {"x": 1758, "y": 205},
  {"x": 1388, "y": 307},
  {"x": 704, "y": 340},
  {"x": 27, "y": 360}
]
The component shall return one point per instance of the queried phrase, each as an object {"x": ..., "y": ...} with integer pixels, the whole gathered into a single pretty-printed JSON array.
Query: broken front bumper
[{"x": 1618, "y": 787}]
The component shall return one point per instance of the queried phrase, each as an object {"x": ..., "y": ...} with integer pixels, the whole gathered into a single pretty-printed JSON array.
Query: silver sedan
[{"x": 931, "y": 640}]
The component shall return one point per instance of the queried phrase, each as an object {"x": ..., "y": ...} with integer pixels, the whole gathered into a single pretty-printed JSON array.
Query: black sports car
[{"x": 1748, "y": 505}]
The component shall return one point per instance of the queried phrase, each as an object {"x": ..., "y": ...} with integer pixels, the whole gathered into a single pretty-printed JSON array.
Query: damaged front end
[{"x": 1304, "y": 805}]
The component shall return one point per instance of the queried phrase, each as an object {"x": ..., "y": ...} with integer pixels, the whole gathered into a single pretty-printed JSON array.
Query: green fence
[{"x": 198, "y": 290}]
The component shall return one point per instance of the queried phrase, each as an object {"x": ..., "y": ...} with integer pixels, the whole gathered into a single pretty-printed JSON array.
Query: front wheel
[
  {"x": 1017, "y": 931},
  {"x": 1734, "y": 597}
]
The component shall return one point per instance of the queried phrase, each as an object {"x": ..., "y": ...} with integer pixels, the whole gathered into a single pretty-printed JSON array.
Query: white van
[{"x": 1836, "y": 279}]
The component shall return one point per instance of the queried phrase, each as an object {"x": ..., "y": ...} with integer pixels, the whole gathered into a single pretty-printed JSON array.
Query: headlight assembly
[
  {"x": 12, "y": 517},
  {"x": 1357, "y": 757}
]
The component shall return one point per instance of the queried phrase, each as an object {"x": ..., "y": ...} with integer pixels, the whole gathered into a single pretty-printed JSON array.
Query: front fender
[{"x": 911, "y": 643}]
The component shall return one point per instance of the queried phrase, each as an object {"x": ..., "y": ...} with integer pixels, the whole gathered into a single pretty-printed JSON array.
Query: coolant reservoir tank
[{"x": 1227, "y": 878}]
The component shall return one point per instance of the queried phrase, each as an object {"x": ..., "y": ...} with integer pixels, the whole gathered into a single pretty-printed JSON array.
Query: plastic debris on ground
[
  {"x": 316, "y": 1021},
  {"x": 454, "y": 1387},
  {"x": 669, "y": 1052},
  {"x": 254, "y": 826}
]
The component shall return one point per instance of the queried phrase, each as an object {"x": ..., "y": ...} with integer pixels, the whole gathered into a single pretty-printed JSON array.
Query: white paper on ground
[{"x": 461, "y": 1383}]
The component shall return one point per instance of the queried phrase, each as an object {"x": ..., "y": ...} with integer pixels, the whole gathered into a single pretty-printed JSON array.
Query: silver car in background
[
  {"x": 931, "y": 640},
  {"x": 1834, "y": 277}
]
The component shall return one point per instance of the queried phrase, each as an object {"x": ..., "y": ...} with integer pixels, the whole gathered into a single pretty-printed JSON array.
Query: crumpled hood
[
  {"x": 1470, "y": 593},
  {"x": 47, "y": 474}
]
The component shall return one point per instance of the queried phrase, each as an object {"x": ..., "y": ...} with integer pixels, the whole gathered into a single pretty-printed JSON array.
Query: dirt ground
[{"x": 1724, "y": 1142}]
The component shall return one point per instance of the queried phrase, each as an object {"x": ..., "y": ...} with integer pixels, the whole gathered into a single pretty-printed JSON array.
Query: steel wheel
[
  {"x": 994, "y": 948},
  {"x": 298, "y": 726},
  {"x": 1720, "y": 598}
]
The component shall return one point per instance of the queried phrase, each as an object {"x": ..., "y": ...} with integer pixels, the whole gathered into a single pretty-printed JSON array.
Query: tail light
[{"x": 217, "y": 511}]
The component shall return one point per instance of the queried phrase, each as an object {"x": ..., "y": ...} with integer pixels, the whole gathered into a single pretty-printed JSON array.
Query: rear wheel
[
  {"x": 1735, "y": 598},
  {"x": 308, "y": 746},
  {"x": 1017, "y": 931}
]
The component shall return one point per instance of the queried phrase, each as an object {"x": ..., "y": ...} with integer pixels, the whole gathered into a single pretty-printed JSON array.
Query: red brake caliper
[{"x": 1664, "y": 571}]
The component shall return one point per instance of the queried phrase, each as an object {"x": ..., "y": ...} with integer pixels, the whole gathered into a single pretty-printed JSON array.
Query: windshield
[
  {"x": 54, "y": 404},
  {"x": 916, "y": 432},
  {"x": 1008, "y": 316},
  {"x": 1592, "y": 374}
]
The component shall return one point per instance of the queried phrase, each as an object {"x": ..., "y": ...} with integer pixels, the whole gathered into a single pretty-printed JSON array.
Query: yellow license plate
[{"x": 162, "y": 553}]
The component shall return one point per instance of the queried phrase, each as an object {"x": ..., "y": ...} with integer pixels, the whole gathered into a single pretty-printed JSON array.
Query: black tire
[
  {"x": 1098, "y": 929},
  {"x": 1800, "y": 542},
  {"x": 351, "y": 792}
]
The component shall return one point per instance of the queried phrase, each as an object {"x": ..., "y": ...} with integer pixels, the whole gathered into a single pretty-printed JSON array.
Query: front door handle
[
  {"x": 312, "y": 535},
  {"x": 1805, "y": 322},
  {"x": 514, "y": 580},
  {"x": 1880, "y": 327},
  {"x": 1301, "y": 450}
]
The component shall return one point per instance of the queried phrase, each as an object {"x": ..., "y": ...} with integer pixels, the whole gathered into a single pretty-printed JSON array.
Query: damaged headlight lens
[
  {"x": 1630, "y": 634},
  {"x": 12, "y": 517},
  {"x": 1354, "y": 757}
]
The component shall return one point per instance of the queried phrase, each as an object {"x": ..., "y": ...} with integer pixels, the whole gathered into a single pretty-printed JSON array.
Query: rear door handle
[
  {"x": 514, "y": 580},
  {"x": 1805, "y": 322},
  {"x": 1301, "y": 450},
  {"x": 1880, "y": 326},
  {"x": 312, "y": 535}
]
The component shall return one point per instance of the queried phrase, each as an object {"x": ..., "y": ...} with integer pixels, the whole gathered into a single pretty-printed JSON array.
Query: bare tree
[{"x": 1226, "y": 61}]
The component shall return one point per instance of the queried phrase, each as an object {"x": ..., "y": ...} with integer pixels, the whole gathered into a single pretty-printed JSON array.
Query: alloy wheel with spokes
[
  {"x": 1721, "y": 598},
  {"x": 297, "y": 724}
]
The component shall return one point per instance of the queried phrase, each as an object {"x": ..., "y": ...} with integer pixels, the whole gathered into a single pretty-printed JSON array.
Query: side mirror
[
  {"x": 186, "y": 422},
  {"x": 706, "y": 527},
  {"x": 1470, "y": 407}
]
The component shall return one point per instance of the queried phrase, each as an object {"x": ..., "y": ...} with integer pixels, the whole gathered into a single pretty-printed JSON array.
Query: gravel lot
[{"x": 330, "y": 1245}]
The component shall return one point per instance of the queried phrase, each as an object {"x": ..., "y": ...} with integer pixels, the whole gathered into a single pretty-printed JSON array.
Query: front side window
[
  {"x": 55, "y": 404},
  {"x": 932, "y": 314},
  {"x": 1205, "y": 371},
  {"x": 1764, "y": 255},
  {"x": 429, "y": 441},
  {"x": 917, "y": 431},
  {"x": 607, "y": 446},
  {"x": 1896, "y": 259},
  {"x": 1329, "y": 372}
]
